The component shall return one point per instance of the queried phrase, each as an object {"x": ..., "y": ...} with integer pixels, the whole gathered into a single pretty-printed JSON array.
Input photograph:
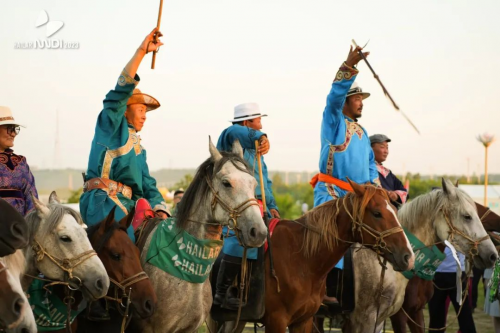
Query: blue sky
[{"x": 437, "y": 58}]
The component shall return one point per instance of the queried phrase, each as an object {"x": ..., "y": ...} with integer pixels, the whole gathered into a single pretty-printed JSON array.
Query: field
[{"x": 483, "y": 322}]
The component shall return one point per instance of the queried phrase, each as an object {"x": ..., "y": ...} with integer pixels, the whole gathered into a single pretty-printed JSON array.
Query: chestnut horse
[
  {"x": 419, "y": 292},
  {"x": 305, "y": 250},
  {"x": 129, "y": 282}
]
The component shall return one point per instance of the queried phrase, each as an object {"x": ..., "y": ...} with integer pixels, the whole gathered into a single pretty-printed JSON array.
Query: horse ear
[
  {"x": 358, "y": 189},
  {"x": 456, "y": 183},
  {"x": 53, "y": 198},
  {"x": 237, "y": 149},
  {"x": 41, "y": 209},
  {"x": 448, "y": 188},
  {"x": 110, "y": 219},
  {"x": 216, "y": 155},
  {"x": 127, "y": 220}
]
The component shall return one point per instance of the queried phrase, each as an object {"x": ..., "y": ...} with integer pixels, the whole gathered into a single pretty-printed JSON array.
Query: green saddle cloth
[
  {"x": 49, "y": 310},
  {"x": 182, "y": 255}
]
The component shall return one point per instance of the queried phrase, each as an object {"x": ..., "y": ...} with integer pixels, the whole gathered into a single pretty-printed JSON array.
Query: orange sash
[{"x": 321, "y": 177}]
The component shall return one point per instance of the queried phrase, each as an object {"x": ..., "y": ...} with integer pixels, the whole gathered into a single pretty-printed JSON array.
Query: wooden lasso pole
[
  {"x": 266, "y": 220},
  {"x": 158, "y": 26}
]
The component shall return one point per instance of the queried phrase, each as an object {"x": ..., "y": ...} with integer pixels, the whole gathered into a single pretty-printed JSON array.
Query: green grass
[{"x": 482, "y": 321}]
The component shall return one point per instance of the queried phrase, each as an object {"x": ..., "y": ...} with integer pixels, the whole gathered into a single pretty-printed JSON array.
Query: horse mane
[
  {"x": 109, "y": 233},
  {"x": 426, "y": 207},
  {"x": 199, "y": 190},
  {"x": 15, "y": 262},
  {"x": 321, "y": 221},
  {"x": 57, "y": 212}
]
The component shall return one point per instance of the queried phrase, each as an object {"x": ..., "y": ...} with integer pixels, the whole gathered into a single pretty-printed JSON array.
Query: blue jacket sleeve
[
  {"x": 111, "y": 118},
  {"x": 373, "y": 170},
  {"x": 150, "y": 190},
  {"x": 245, "y": 135},
  {"x": 336, "y": 98},
  {"x": 270, "y": 202}
]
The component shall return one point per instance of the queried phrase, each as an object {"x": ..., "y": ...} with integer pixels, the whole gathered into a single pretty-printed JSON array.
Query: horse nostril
[
  {"x": 99, "y": 285},
  {"x": 253, "y": 233},
  {"x": 25, "y": 330},
  {"x": 148, "y": 307},
  {"x": 407, "y": 258},
  {"x": 493, "y": 257},
  {"x": 17, "y": 306},
  {"x": 17, "y": 232}
]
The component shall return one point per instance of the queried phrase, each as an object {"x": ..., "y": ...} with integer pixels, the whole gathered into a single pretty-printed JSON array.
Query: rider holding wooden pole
[
  {"x": 246, "y": 128},
  {"x": 345, "y": 145},
  {"x": 118, "y": 173}
]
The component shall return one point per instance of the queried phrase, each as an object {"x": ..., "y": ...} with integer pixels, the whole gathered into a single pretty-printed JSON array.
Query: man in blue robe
[
  {"x": 345, "y": 146},
  {"x": 246, "y": 128}
]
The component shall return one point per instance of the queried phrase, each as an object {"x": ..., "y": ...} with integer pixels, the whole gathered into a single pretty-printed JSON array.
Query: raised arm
[
  {"x": 148, "y": 45},
  {"x": 341, "y": 85}
]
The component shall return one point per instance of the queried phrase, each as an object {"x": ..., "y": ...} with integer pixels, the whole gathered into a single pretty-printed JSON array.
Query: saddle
[{"x": 340, "y": 284}]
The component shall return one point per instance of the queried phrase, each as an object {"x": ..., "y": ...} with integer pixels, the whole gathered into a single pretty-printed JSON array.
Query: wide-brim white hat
[
  {"x": 356, "y": 90},
  {"x": 6, "y": 117},
  {"x": 246, "y": 111}
]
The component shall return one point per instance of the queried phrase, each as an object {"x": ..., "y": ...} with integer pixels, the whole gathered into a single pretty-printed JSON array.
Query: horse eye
[
  {"x": 226, "y": 184},
  {"x": 65, "y": 239},
  {"x": 377, "y": 214},
  {"x": 116, "y": 256},
  {"x": 467, "y": 217}
]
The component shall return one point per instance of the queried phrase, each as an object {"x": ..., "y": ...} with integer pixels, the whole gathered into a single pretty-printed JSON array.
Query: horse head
[
  {"x": 458, "y": 222},
  {"x": 223, "y": 193},
  {"x": 13, "y": 229},
  {"x": 121, "y": 258},
  {"x": 14, "y": 306},
  {"x": 379, "y": 227},
  {"x": 61, "y": 249}
]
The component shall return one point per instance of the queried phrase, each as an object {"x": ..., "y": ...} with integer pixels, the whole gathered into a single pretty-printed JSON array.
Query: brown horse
[
  {"x": 305, "y": 250},
  {"x": 419, "y": 292},
  {"x": 13, "y": 229}
]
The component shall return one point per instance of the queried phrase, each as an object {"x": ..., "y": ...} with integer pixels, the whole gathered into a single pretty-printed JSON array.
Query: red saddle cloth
[
  {"x": 143, "y": 211},
  {"x": 272, "y": 224}
]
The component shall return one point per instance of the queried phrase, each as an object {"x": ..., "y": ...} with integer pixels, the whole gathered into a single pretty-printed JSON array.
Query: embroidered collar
[{"x": 382, "y": 169}]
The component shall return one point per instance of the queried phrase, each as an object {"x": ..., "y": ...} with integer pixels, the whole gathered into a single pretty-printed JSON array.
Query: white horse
[
  {"x": 13, "y": 268},
  {"x": 428, "y": 217},
  {"x": 225, "y": 181},
  {"x": 61, "y": 251}
]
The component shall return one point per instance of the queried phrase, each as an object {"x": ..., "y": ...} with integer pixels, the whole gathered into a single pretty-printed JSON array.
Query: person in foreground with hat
[
  {"x": 397, "y": 192},
  {"x": 345, "y": 147},
  {"x": 17, "y": 185},
  {"x": 118, "y": 173},
  {"x": 247, "y": 126}
]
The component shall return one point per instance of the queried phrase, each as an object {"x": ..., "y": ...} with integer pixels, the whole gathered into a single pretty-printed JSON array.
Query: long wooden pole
[
  {"x": 158, "y": 26},
  {"x": 261, "y": 178},
  {"x": 486, "y": 176}
]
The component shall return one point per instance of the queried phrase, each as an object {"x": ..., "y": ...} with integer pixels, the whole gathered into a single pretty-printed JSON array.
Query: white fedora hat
[
  {"x": 246, "y": 111},
  {"x": 6, "y": 117},
  {"x": 356, "y": 90}
]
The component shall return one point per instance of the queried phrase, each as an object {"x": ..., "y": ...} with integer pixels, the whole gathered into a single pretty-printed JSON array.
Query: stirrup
[{"x": 143, "y": 211}]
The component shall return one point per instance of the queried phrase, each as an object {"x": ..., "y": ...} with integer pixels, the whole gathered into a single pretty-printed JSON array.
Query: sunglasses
[{"x": 13, "y": 129}]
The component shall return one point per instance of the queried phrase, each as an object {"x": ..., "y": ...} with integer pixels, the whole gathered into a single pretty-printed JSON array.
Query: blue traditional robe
[
  {"x": 247, "y": 137},
  {"x": 345, "y": 145},
  {"x": 116, "y": 153}
]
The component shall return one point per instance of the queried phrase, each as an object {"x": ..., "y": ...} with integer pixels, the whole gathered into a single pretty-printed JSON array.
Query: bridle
[
  {"x": 121, "y": 290},
  {"x": 66, "y": 264},
  {"x": 234, "y": 213},
  {"x": 474, "y": 243}
]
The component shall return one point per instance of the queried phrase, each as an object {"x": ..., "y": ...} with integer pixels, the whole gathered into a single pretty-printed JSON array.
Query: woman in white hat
[{"x": 17, "y": 183}]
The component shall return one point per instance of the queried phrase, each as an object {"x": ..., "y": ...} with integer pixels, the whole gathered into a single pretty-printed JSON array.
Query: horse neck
[
  {"x": 202, "y": 215},
  {"x": 325, "y": 258},
  {"x": 422, "y": 225}
]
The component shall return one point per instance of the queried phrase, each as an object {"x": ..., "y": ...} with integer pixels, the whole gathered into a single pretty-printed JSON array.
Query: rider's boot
[{"x": 226, "y": 296}]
